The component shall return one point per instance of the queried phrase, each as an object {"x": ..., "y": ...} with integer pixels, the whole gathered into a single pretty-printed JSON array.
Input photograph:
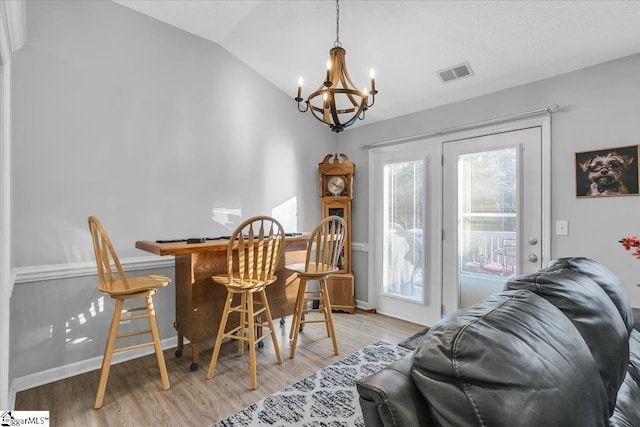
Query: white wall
[
  {"x": 598, "y": 110},
  {"x": 149, "y": 128}
]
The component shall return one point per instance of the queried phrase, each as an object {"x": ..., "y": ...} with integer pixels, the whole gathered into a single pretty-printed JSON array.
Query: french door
[{"x": 454, "y": 217}]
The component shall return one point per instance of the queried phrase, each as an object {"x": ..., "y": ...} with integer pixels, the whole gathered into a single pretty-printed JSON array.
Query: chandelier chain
[{"x": 337, "y": 43}]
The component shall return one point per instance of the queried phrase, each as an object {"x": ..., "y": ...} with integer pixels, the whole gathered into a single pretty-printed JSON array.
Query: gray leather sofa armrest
[{"x": 390, "y": 398}]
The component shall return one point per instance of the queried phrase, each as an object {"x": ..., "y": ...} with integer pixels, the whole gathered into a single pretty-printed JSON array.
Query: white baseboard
[
  {"x": 395, "y": 316},
  {"x": 11, "y": 398},
  {"x": 362, "y": 305},
  {"x": 66, "y": 371}
]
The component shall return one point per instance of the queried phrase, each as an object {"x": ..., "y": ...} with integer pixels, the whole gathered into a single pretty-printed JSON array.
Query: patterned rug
[{"x": 327, "y": 398}]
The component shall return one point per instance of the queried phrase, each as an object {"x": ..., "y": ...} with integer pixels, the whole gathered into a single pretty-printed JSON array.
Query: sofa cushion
[
  {"x": 593, "y": 313},
  {"x": 511, "y": 360},
  {"x": 604, "y": 277},
  {"x": 634, "y": 355},
  {"x": 627, "y": 412}
]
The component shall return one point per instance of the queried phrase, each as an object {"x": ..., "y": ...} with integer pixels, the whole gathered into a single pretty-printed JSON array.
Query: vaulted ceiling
[{"x": 506, "y": 43}]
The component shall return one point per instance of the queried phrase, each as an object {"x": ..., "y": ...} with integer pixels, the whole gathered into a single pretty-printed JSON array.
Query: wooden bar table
[{"x": 199, "y": 301}]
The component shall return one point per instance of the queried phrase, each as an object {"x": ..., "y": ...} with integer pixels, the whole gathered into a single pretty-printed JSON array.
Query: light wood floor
[{"x": 134, "y": 396}]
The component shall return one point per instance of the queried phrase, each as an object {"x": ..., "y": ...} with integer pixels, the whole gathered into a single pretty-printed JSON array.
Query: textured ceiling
[{"x": 507, "y": 43}]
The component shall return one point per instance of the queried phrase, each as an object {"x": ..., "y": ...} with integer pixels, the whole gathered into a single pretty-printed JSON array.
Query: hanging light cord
[{"x": 337, "y": 43}]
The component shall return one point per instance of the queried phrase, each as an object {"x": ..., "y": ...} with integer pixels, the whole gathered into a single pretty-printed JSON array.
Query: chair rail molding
[
  {"x": 359, "y": 247},
  {"x": 42, "y": 273}
]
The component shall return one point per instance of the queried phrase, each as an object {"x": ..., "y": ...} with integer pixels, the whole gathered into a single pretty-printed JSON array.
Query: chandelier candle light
[{"x": 338, "y": 102}]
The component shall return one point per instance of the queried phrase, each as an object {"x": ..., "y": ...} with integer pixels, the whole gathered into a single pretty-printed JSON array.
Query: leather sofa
[{"x": 556, "y": 348}]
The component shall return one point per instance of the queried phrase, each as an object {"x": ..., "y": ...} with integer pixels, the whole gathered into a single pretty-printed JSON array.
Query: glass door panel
[
  {"x": 487, "y": 218},
  {"x": 403, "y": 218}
]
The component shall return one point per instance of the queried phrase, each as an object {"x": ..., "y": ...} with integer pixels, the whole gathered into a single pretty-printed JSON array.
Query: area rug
[
  {"x": 327, "y": 398},
  {"x": 412, "y": 342}
]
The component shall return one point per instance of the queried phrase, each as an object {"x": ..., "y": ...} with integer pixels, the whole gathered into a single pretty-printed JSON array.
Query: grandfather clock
[{"x": 336, "y": 192}]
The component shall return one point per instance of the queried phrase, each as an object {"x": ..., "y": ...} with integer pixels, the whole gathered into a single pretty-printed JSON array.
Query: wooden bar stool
[
  {"x": 323, "y": 252},
  {"x": 252, "y": 257},
  {"x": 122, "y": 289}
]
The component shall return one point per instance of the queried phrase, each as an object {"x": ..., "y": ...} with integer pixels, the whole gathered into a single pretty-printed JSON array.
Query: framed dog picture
[{"x": 607, "y": 172}]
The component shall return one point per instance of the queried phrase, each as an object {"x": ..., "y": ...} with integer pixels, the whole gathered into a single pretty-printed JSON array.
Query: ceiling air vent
[{"x": 455, "y": 72}]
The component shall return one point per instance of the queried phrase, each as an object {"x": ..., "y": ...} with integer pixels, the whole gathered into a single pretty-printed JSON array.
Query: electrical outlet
[{"x": 562, "y": 227}]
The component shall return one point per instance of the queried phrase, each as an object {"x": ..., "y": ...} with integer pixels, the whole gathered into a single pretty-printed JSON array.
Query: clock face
[{"x": 335, "y": 185}]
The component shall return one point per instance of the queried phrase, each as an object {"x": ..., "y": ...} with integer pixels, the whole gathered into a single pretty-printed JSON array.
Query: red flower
[{"x": 630, "y": 242}]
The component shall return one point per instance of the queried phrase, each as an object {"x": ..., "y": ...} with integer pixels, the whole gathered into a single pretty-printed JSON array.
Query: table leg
[
  {"x": 195, "y": 356},
  {"x": 180, "y": 345}
]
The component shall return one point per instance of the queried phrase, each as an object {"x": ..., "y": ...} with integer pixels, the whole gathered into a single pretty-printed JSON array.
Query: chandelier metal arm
[
  {"x": 306, "y": 108},
  {"x": 353, "y": 119},
  {"x": 373, "y": 99}
]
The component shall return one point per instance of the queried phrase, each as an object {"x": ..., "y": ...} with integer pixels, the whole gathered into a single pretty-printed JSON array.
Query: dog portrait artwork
[{"x": 610, "y": 172}]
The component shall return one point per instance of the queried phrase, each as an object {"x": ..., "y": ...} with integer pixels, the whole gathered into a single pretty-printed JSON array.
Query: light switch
[{"x": 562, "y": 227}]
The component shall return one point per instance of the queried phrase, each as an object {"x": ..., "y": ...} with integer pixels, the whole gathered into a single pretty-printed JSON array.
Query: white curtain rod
[{"x": 549, "y": 110}]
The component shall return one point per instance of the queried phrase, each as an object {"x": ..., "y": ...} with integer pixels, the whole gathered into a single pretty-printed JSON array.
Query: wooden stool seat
[
  {"x": 123, "y": 289},
  {"x": 323, "y": 254},
  {"x": 252, "y": 257},
  {"x": 314, "y": 271},
  {"x": 135, "y": 284}
]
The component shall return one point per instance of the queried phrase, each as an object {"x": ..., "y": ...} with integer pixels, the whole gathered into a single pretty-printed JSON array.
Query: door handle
[
  {"x": 533, "y": 258},
  {"x": 533, "y": 241}
]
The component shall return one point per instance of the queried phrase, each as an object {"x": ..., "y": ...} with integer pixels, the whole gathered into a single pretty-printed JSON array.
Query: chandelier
[{"x": 337, "y": 102}]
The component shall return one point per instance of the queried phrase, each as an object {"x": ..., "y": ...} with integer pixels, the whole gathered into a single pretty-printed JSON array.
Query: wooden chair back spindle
[
  {"x": 258, "y": 251},
  {"x": 105, "y": 255},
  {"x": 325, "y": 245}
]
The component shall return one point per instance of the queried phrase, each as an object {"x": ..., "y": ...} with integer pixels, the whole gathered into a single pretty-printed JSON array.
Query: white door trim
[
  {"x": 6, "y": 282},
  {"x": 12, "y": 36}
]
